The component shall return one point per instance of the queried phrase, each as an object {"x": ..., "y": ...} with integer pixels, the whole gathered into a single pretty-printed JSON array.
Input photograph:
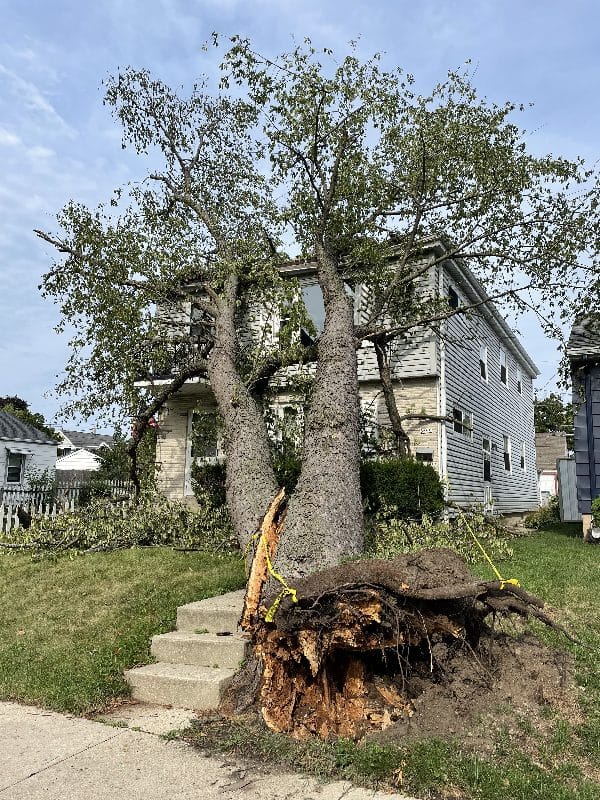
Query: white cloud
[{"x": 9, "y": 139}]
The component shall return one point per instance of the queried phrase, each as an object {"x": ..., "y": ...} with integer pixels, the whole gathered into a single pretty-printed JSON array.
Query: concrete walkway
[{"x": 52, "y": 756}]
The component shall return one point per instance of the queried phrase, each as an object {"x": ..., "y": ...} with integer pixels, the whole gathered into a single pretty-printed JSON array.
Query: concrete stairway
[{"x": 196, "y": 662}]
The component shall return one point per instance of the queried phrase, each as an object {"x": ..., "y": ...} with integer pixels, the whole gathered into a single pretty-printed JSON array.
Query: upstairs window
[
  {"x": 519, "y": 382},
  {"x": 506, "y": 442},
  {"x": 483, "y": 369},
  {"x": 463, "y": 422},
  {"x": 503, "y": 369},
  {"x": 453, "y": 299}
]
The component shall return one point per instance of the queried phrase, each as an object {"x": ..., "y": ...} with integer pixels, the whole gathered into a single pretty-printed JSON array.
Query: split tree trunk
[
  {"x": 250, "y": 484},
  {"x": 325, "y": 517}
]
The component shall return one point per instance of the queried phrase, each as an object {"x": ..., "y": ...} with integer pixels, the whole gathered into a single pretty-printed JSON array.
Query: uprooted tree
[{"x": 342, "y": 164}]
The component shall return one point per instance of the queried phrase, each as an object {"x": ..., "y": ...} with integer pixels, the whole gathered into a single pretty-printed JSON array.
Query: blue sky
[{"x": 58, "y": 142}]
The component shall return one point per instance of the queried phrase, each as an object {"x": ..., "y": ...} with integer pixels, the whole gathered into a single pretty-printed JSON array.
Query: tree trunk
[
  {"x": 402, "y": 440},
  {"x": 325, "y": 518},
  {"x": 251, "y": 484}
]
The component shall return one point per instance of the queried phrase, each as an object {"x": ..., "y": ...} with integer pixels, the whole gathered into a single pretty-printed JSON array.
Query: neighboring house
[
  {"x": 583, "y": 350},
  {"x": 550, "y": 447},
  {"x": 80, "y": 461},
  {"x": 23, "y": 450},
  {"x": 477, "y": 374},
  {"x": 70, "y": 441}
]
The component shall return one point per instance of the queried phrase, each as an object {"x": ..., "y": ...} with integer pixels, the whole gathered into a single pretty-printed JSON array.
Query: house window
[
  {"x": 487, "y": 460},
  {"x": 205, "y": 434},
  {"x": 519, "y": 382},
  {"x": 463, "y": 422},
  {"x": 503, "y": 370},
  {"x": 523, "y": 462},
  {"x": 453, "y": 299},
  {"x": 15, "y": 465},
  {"x": 507, "y": 464},
  {"x": 425, "y": 456},
  {"x": 483, "y": 362}
]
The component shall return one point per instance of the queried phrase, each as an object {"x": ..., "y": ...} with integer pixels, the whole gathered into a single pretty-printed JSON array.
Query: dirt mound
[{"x": 406, "y": 644}]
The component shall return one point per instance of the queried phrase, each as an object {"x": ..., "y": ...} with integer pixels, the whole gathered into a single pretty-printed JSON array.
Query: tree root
[{"x": 337, "y": 661}]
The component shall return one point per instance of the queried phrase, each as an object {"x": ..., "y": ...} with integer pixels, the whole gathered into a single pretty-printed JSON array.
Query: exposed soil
[{"x": 401, "y": 649}]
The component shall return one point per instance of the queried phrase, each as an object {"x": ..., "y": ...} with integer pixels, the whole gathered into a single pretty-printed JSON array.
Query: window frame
[
  {"x": 22, "y": 459},
  {"x": 503, "y": 367},
  {"x": 487, "y": 457},
  {"x": 507, "y": 452},
  {"x": 463, "y": 422},
  {"x": 483, "y": 363}
]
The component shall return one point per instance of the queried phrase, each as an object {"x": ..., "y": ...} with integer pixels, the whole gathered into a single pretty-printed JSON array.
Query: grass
[
  {"x": 561, "y": 762},
  {"x": 70, "y": 626}
]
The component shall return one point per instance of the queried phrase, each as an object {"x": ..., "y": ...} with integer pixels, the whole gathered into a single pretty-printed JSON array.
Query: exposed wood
[{"x": 267, "y": 540}]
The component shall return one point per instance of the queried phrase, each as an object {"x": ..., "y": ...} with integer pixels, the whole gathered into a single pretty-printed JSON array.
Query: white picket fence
[{"x": 29, "y": 504}]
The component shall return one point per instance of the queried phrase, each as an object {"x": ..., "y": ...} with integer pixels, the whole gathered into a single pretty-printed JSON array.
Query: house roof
[
  {"x": 584, "y": 341},
  {"x": 13, "y": 429},
  {"x": 82, "y": 440}
]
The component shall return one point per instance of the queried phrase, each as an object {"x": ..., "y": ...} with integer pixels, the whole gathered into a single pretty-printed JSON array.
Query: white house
[
  {"x": 80, "y": 461},
  {"x": 71, "y": 441},
  {"x": 24, "y": 450},
  {"x": 474, "y": 372}
]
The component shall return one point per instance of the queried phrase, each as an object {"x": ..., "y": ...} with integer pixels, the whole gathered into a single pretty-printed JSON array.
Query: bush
[
  {"x": 404, "y": 487},
  {"x": 387, "y": 537},
  {"x": 154, "y": 520},
  {"x": 546, "y": 517},
  {"x": 208, "y": 484},
  {"x": 596, "y": 512}
]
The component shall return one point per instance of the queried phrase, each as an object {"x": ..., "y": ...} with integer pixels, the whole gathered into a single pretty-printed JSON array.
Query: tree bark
[
  {"x": 400, "y": 435},
  {"x": 325, "y": 516},
  {"x": 250, "y": 483}
]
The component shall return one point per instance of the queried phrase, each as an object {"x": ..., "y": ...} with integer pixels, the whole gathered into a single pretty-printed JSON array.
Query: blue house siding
[{"x": 586, "y": 397}]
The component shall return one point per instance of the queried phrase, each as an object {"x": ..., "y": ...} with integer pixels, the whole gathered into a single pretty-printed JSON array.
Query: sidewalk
[{"x": 51, "y": 756}]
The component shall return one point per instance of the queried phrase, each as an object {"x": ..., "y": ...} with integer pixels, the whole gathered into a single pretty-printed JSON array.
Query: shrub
[
  {"x": 208, "y": 484},
  {"x": 388, "y": 537},
  {"x": 596, "y": 512},
  {"x": 154, "y": 520},
  {"x": 404, "y": 487},
  {"x": 546, "y": 517}
]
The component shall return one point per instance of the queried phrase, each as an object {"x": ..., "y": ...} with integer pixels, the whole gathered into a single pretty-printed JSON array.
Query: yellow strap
[
  {"x": 287, "y": 590},
  {"x": 503, "y": 581}
]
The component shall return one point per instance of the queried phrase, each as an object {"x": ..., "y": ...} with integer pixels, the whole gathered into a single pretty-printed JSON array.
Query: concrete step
[
  {"x": 213, "y": 615},
  {"x": 201, "y": 649},
  {"x": 179, "y": 685}
]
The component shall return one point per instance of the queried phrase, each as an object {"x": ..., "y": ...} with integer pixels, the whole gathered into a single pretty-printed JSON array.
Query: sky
[{"x": 58, "y": 142}]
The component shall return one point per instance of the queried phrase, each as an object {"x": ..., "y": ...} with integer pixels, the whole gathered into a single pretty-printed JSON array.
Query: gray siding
[
  {"x": 497, "y": 409},
  {"x": 39, "y": 457},
  {"x": 586, "y": 397}
]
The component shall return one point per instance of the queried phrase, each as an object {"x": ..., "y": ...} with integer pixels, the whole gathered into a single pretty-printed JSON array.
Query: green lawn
[
  {"x": 565, "y": 572},
  {"x": 70, "y": 626}
]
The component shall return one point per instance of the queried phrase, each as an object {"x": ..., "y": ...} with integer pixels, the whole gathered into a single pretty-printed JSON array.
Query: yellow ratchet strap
[
  {"x": 287, "y": 590},
  {"x": 503, "y": 581}
]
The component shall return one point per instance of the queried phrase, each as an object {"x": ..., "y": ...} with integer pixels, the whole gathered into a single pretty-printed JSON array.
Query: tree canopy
[
  {"x": 551, "y": 415},
  {"x": 337, "y": 162}
]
